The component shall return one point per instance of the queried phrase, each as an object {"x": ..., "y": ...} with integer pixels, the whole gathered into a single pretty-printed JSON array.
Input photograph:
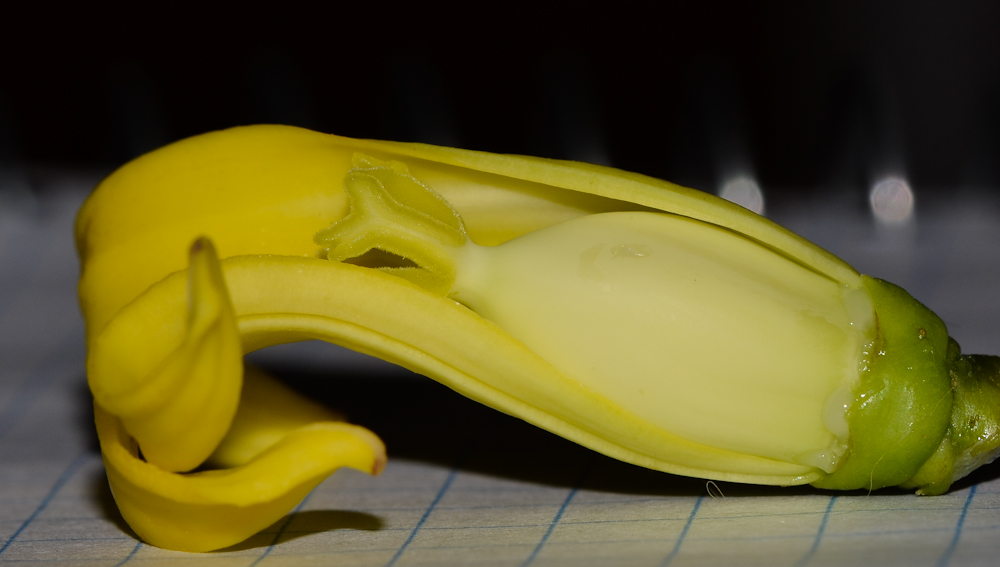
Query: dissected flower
[{"x": 652, "y": 323}]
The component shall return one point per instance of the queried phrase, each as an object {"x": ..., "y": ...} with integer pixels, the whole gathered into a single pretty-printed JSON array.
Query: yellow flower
[{"x": 652, "y": 323}]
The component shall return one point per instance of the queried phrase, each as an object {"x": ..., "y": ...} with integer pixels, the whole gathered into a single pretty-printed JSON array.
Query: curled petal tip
[
  {"x": 171, "y": 369},
  {"x": 214, "y": 509},
  {"x": 199, "y": 244},
  {"x": 379, "y": 466}
]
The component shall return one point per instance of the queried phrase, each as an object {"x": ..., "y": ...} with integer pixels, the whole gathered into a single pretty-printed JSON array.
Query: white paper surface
[{"x": 468, "y": 486}]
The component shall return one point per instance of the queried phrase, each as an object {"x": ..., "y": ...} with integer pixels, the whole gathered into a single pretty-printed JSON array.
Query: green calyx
[
  {"x": 924, "y": 414},
  {"x": 903, "y": 399}
]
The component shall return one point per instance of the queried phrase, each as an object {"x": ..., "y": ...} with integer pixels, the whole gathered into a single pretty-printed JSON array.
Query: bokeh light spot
[
  {"x": 744, "y": 191},
  {"x": 892, "y": 200}
]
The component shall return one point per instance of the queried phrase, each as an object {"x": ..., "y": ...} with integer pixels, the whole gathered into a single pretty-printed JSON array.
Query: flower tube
[{"x": 655, "y": 324}]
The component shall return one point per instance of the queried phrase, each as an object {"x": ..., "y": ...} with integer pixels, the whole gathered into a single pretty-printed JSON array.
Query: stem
[
  {"x": 975, "y": 418},
  {"x": 973, "y": 437}
]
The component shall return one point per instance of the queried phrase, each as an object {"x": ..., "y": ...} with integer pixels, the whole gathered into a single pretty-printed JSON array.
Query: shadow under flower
[{"x": 309, "y": 522}]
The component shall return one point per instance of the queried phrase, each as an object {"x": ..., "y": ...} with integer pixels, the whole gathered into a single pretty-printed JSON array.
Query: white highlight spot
[
  {"x": 744, "y": 191},
  {"x": 892, "y": 200},
  {"x": 631, "y": 250}
]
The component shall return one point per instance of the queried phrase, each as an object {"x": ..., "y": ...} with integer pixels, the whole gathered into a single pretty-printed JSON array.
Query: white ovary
[{"x": 692, "y": 327}]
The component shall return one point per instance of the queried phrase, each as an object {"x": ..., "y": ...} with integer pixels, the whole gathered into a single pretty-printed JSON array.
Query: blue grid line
[
  {"x": 950, "y": 551},
  {"x": 660, "y": 501},
  {"x": 727, "y": 538},
  {"x": 680, "y": 539},
  {"x": 463, "y": 455},
  {"x": 894, "y": 509},
  {"x": 131, "y": 554},
  {"x": 51, "y": 539},
  {"x": 887, "y": 532},
  {"x": 426, "y": 514},
  {"x": 281, "y": 530},
  {"x": 562, "y": 509},
  {"x": 704, "y": 517},
  {"x": 368, "y": 550},
  {"x": 595, "y": 542},
  {"x": 819, "y": 535},
  {"x": 983, "y": 528},
  {"x": 552, "y": 526},
  {"x": 66, "y": 475},
  {"x": 84, "y": 500}
]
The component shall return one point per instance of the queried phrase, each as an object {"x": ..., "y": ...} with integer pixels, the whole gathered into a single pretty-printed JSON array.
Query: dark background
[{"x": 806, "y": 96}]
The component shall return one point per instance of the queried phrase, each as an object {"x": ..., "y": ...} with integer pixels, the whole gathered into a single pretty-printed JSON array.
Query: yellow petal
[
  {"x": 175, "y": 385},
  {"x": 166, "y": 376},
  {"x": 268, "y": 190},
  {"x": 214, "y": 509},
  {"x": 268, "y": 412},
  {"x": 280, "y": 299}
]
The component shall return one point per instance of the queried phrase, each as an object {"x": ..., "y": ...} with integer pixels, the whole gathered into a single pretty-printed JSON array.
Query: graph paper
[{"x": 466, "y": 485}]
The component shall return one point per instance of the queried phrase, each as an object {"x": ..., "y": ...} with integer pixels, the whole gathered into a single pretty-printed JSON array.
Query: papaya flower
[{"x": 652, "y": 323}]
